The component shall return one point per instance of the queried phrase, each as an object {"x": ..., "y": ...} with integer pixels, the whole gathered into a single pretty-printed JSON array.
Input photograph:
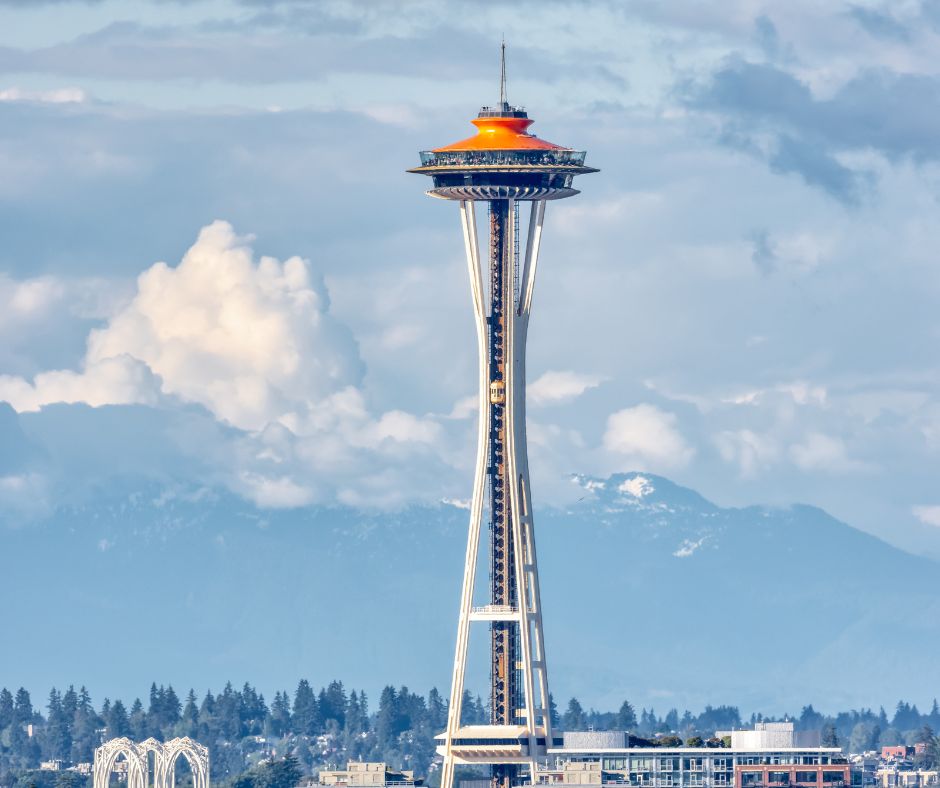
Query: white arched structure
[
  {"x": 107, "y": 754},
  {"x": 195, "y": 753},
  {"x": 164, "y": 762}
]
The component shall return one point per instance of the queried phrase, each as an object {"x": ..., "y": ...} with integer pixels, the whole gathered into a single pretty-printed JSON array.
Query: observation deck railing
[{"x": 507, "y": 158}]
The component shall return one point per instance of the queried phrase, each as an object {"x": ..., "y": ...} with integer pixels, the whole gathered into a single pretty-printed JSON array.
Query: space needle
[{"x": 502, "y": 165}]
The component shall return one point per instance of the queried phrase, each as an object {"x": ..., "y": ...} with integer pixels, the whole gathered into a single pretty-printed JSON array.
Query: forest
[{"x": 249, "y": 737}]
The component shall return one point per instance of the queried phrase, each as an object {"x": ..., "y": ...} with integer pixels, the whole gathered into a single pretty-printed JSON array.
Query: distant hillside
[{"x": 650, "y": 592}]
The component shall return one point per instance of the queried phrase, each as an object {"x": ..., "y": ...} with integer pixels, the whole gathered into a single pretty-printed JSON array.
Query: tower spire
[{"x": 502, "y": 72}]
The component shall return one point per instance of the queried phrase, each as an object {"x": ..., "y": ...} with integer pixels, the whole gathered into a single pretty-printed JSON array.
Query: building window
[
  {"x": 751, "y": 779},
  {"x": 833, "y": 778},
  {"x": 779, "y": 778},
  {"x": 668, "y": 764},
  {"x": 805, "y": 778}
]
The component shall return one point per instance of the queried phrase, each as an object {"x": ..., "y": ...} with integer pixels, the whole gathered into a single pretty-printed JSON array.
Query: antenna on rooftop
[{"x": 502, "y": 73}]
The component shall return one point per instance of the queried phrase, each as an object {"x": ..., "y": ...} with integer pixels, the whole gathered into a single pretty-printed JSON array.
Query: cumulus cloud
[
  {"x": 117, "y": 380},
  {"x": 647, "y": 434},
  {"x": 560, "y": 386},
  {"x": 252, "y": 340}
]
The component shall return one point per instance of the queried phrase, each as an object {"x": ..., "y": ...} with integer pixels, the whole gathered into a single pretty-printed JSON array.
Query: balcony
[{"x": 503, "y": 158}]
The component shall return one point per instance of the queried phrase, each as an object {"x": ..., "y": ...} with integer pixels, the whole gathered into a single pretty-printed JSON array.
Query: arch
[
  {"x": 108, "y": 753},
  {"x": 146, "y": 747},
  {"x": 196, "y": 754}
]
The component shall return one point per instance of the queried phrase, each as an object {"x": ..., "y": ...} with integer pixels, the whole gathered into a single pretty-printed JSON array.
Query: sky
[{"x": 204, "y": 212}]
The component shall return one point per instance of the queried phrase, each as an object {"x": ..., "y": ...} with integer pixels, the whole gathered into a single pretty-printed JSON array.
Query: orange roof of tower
[{"x": 502, "y": 133}]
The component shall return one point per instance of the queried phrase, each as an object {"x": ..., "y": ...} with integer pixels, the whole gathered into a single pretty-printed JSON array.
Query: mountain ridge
[{"x": 650, "y": 592}]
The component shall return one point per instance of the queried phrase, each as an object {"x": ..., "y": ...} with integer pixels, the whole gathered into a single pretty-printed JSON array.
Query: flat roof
[{"x": 691, "y": 750}]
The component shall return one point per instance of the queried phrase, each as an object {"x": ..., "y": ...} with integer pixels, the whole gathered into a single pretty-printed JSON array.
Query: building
[
  {"x": 359, "y": 774},
  {"x": 894, "y": 777},
  {"x": 767, "y": 757},
  {"x": 503, "y": 166},
  {"x": 902, "y": 752}
]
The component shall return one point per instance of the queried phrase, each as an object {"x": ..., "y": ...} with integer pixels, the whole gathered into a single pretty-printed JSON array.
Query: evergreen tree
[
  {"x": 279, "y": 722},
  {"x": 22, "y": 708},
  {"x": 189, "y": 719},
  {"x": 626, "y": 717},
  {"x": 57, "y": 736},
  {"x": 84, "y": 729},
  {"x": 116, "y": 720},
  {"x": 356, "y": 721},
  {"x": 137, "y": 720},
  {"x": 6, "y": 708},
  {"x": 388, "y": 718},
  {"x": 70, "y": 704},
  {"x": 227, "y": 713},
  {"x": 933, "y": 719},
  {"x": 671, "y": 721},
  {"x": 574, "y": 716},
  {"x": 553, "y": 711},
  {"x": 305, "y": 717},
  {"x": 437, "y": 711},
  {"x": 284, "y": 773},
  {"x": 332, "y": 703},
  {"x": 830, "y": 738},
  {"x": 170, "y": 708}
]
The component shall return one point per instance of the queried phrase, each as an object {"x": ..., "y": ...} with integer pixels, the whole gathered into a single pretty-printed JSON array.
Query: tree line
[{"x": 325, "y": 727}]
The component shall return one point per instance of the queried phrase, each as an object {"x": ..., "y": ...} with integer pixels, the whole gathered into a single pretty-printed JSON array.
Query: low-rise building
[
  {"x": 360, "y": 774},
  {"x": 893, "y": 777},
  {"x": 772, "y": 755}
]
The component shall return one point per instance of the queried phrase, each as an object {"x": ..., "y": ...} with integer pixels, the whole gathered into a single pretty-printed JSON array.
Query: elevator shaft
[{"x": 504, "y": 634}]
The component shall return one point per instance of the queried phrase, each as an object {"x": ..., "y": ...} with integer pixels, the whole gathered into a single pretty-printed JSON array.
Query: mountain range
[{"x": 650, "y": 593}]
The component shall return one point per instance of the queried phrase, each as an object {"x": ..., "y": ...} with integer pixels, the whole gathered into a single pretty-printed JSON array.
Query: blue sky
[{"x": 204, "y": 212}]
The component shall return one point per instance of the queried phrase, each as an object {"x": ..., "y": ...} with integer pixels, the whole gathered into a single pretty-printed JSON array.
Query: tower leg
[{"x": 468, "y": 220}]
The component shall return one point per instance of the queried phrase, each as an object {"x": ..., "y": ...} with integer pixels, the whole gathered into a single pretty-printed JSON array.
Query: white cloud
[
  {"x": 465, "y": 407},
  {"x": 929, "y": 515},
  {"x": 819, "y": 452},
  {"x": 647, "y": 434},
  {"x": 275, "y": 492},
  {"x": 560, "y": 386},
  {"x": 57, "y": 96},
  {"x": 119, "y": 380},
  {"x": 253, "y": 341},
  {"x": 751, "y": 452}
]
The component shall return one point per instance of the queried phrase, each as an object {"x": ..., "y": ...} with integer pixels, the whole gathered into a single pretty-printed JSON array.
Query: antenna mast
[{"x": 502, "y": 73}]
